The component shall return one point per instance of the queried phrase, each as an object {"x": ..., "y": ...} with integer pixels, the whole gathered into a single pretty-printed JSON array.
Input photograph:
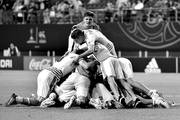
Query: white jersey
[
  {"x": 94, "y": 37},
  {"x": 66, "y": 65},
  {"x": 101, "y": 52},
  {"x": 58, "y": 69}
]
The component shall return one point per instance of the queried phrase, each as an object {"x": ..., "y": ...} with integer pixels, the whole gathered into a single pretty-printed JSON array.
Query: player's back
[
  {"x": 66, "y": 65},
  {"x": 101, "y": 52},
  {"x": 97, "y": 36}
]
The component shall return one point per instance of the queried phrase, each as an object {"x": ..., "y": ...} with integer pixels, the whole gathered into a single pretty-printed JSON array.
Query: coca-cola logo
[{"x": 39, "y": 64}]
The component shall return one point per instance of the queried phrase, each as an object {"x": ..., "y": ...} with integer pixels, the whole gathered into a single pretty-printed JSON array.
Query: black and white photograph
[{"x": 89, "y": 59}]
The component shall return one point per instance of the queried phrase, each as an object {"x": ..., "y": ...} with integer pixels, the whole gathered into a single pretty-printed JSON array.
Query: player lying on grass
[
  {"x": 75, "y": 89},
  {"x": 156, "y": 98},
  {"x": 46, "y": 80},
  {"x": 104, "y": 51},
  {"x": 100, "y": 46},
  {"x": 77, "y": 84}
]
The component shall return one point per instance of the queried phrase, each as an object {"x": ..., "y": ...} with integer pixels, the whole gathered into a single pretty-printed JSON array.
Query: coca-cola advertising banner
[
  {"x": 11, "y": 63},
  {"x": 37, "y": 63}
]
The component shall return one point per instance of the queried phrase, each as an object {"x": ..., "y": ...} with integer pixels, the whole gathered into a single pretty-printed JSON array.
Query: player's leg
[
  {"x": 16, "y": 99},
  {"x": 128, "y": 74},
  {"x": 66, "y": 90},
  {"x": 120, "y": 78},
  {"x": 50, "y": 101},
  {"x": 108, "y": 71},
  {"x": 82, "y": 85},
  {"x": 128, "y": 88},
  {"x": 44, "y": 80},
  {"x": 107, "y": 97}
]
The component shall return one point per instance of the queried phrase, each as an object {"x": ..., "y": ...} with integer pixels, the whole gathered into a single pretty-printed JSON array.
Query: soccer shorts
[
  {"x": 126, "y": 67},
  {"x": 44, "y": 79},
  {"x": 75, "y": 82},
  {"x": 111, "y": 68}
]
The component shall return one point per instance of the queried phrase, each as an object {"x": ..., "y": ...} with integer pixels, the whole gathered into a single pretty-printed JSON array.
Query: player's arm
[
  {"x": 71, "y": 41},
  {"x": 89, "y": 51},
  {"x": 85, "y": 64},
  {"x": 17, "y": 51},
  {"x": 70, "y": 44}
]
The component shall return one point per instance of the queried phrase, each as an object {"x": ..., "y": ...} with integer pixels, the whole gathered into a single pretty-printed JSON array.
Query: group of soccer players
[{"x": 90, "y": 75}]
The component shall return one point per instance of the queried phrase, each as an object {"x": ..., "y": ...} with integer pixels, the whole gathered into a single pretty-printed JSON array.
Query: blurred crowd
[{"x": 71, "y": 11}]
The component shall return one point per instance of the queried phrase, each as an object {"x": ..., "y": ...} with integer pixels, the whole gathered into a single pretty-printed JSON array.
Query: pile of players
[{"x": 90, "y": 75}]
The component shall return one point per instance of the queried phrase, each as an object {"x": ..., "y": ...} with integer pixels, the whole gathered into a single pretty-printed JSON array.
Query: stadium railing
[{"x": 124, "y": 15}]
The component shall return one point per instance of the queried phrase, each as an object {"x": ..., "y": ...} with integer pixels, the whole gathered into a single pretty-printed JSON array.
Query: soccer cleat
[
  {"x": 12, "y": 100},
  {"x": 139, "y": 104},
  {"x": 161, "y": 103},
  {"x": 171, "y": 103},
  {"x": 47, "y": 103},
  {"x": 155, "y": 94},
  {"x": 122, "y": 101},
  {"x": 117, "y": 105},
  {"x": 95, "y": 103},
  {"x": 70, "y": 102}
]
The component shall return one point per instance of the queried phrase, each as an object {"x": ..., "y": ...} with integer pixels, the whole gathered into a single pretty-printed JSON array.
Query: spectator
[
  {"x": 109, "y": 11},
  {"x": 17, "y": 9},
  {"x": 77, "y": 4},
  {"x": 63, "y": 10},
  {"x": 32, "y": 14},
  {"x": 94, "y": 2},
  {"x": 121, "y": 3},
  {"x": 46, "y": 16},
  {"x": 13, "y": 50}
]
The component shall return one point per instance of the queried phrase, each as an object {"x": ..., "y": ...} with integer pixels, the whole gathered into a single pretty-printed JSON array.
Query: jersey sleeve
[{"x": 70, "y": 43}]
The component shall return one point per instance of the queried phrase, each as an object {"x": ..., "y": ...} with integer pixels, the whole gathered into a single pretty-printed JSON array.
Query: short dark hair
[
  {"x": 76, "y": 33},
  {"x": 89, "y": 14}
]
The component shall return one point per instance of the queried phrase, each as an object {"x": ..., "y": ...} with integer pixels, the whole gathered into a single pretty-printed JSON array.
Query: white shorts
[
  {"x": 126, "y": 67},
  {"x": 44, "y": 80},
  {"x": 75, "y": 82},
  {"x": 111, "y": 68}
]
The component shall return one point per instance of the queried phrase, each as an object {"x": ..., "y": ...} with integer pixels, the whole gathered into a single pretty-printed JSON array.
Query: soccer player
[
  {"x": 87, "y": 23},
  {"x": 47, "y": 80},
  {"x": 156, "y": 98},
  {"x": 76, "y": 87},
  {"x": 104, "y": 51}
]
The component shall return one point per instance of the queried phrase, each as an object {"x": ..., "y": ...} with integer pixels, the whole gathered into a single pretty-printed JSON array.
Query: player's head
[
  {"x": 78, "y": 36},
  {"x": 12, "y": 45},
  {"x": 88, "y": 18}
]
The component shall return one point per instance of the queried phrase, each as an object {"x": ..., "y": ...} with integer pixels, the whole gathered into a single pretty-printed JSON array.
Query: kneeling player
[
  {"x": 46, "y": 80},
  {"x": 75, "y": 89}
]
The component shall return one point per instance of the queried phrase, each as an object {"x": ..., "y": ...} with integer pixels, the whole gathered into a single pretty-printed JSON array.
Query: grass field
[{"x": 24, "y": 83}]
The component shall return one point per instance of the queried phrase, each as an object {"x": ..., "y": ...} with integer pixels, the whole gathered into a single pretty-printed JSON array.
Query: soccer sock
[{"x": 27, "y": 101}]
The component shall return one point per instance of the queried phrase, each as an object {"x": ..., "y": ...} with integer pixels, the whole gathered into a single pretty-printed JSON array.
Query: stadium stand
[{"x": 156, "y": 10}]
